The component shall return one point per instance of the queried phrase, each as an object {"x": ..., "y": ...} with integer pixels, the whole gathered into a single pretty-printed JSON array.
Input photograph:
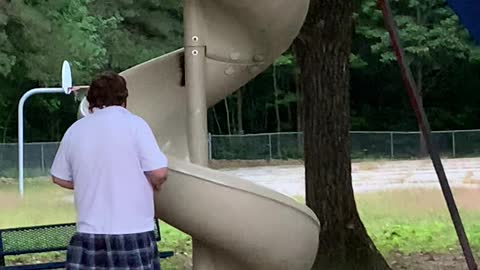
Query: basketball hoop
[
  {"x": 66, "y": 88},
  {"x": 79, "y": 92},
  {"x": 67, "y": 81}
]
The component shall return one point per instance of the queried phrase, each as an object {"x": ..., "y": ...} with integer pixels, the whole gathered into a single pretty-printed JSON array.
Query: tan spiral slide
[{"x": 234, "y": 223}]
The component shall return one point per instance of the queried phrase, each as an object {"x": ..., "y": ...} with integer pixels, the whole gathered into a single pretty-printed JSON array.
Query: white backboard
[{"x": 66, "y": 77}]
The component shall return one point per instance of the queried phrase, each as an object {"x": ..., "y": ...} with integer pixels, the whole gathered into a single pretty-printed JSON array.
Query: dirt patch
[
  {"x": 468, "y": 198},
  {"x": 427, "y": 261},
  {"x": 9, "y": 200},
  {"x": 420, "y": 201},
  {"x": 366, "y": 166}
]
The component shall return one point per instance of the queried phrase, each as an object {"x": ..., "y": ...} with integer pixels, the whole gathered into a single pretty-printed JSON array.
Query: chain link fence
[
  {"x": 271, "y": 146},
  {"x": 365, "y": 145},
  {"x": 256, "y": 146},
  {"x": 38, "y": 159}
]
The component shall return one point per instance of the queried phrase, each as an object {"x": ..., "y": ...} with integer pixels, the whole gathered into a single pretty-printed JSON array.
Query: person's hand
[
  {"x": 157, "y": 178},
  {"x": 156, "y": 187}
]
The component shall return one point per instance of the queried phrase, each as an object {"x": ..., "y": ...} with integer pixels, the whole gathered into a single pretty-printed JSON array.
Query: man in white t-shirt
[{"x": 113, "y": 163}]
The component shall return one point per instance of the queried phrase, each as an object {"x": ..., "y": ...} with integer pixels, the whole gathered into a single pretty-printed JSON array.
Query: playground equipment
[
  {"x": 66, "y": 89},
  {"x": 234, "y": 223}
]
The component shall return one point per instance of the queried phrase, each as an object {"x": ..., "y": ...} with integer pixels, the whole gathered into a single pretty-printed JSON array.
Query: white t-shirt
[{"x": 106, "y": 154}]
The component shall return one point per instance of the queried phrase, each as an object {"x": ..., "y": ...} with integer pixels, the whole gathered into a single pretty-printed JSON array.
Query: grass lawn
[
  {"x": 45, "y": 203},
  {"x": 413, "y": 221},
  {"x": 412, "y": 228}
]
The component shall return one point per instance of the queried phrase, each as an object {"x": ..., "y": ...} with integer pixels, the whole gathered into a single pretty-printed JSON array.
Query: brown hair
[{"x": 107, "y": 89}]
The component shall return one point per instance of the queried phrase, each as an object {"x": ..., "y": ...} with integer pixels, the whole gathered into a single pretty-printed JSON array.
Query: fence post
[
  {"x": 269, "y": 146},
  {"x": 210, "y": 155},
  {"x": 42, "y": 151},
  {"x": 391, "y": 145},
  {"x": 454, "y": 150}
]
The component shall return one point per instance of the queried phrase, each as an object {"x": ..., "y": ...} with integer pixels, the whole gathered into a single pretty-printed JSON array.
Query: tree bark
[
  {"x": 240, "y": 111},
  {"x": 323, "y": 49},
  {"x": 289, "y": 114},
  {"x": 423, "y": 145},
  {"x": 299, "y": 95},
  {"x": 265, "y": 127},
  {"x": 276, "y": 93},
  {"x": 6, "y": 125},
  {"x": 216, "y": 121},
  {"x": 229, "y": 128}
]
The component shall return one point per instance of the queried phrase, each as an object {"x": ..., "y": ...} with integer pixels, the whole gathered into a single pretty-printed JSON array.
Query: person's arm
[
  {"x": 61, "y": 170},
  {"x": 152, "y": 160},
  {"x": 62, "y": 183},
  {"x": 157, "y": 178}
]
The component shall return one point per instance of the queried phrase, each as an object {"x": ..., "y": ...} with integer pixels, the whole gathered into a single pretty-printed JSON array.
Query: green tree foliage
[
  {"x": 431, "y": 36},
  {"x": 430, "y": 32},
  {"x": 47, "y": 32},
  {"x": 427, "y": 28},
  {"x": 438, "y": 49},
  {"x": 94, "y": 35},
  {"x": 37, "y": 35},
  {"x": 147, "y": 29}
]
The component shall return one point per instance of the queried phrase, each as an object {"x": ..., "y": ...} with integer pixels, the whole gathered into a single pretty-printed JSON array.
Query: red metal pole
[{"x": 411, "y": 88}]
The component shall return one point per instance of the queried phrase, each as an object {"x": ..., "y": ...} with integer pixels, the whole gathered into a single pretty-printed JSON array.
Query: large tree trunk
[{"x": 322, "y": 51}]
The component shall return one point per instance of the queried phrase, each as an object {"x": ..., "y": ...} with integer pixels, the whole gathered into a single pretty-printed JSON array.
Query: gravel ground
[{"x": 368, "y": 176}]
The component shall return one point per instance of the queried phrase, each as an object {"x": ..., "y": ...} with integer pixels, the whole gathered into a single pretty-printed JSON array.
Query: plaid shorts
[{"x": 119, "y": 252}]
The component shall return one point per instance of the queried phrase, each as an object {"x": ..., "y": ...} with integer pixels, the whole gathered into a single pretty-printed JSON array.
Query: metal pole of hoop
[{"x": 66, "y": 88}]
